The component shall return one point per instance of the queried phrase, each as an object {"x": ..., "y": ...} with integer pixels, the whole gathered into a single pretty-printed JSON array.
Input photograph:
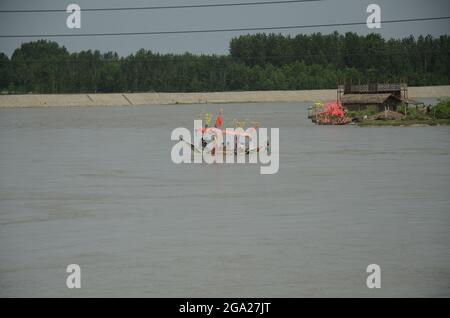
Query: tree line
[{"x": 255, "y": 62}]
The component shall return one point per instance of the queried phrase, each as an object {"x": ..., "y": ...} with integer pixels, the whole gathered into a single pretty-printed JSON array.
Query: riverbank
[
  {"x": 405, "y": 123},
  {"x": 437, "y": 115},
  {"x": 138, "y": 99}
]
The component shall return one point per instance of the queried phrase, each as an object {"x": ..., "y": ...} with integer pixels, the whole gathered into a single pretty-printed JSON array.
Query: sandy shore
[{"x": 135, "y": 99}]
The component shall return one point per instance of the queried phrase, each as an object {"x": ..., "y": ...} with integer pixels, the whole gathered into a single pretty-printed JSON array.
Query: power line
[
  {"x": 215, "y": 30},
  {"x": 187, "y": 6}
]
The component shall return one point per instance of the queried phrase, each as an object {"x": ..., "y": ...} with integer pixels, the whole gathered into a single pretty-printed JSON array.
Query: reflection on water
[{"x": 96, "y": 187}]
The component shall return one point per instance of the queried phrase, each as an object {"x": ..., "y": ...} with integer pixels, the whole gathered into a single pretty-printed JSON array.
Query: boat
[
  {"x": 331, "y": 113},
  {"x": 224, "y": 150}
]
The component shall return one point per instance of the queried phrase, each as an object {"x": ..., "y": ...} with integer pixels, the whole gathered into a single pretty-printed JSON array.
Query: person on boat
[
  {"x": 204, "y": 142},
  {"x": 219, "y": 120}
]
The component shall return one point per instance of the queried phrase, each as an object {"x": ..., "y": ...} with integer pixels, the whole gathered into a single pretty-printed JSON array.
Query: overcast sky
[{"x": 327, "y": 11}]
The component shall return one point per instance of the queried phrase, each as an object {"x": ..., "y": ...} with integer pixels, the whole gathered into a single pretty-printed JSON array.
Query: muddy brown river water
[{"x": 96, "y": 187}]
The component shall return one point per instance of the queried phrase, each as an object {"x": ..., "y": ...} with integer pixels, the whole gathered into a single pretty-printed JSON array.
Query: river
[{"x": 96, "y": 187}]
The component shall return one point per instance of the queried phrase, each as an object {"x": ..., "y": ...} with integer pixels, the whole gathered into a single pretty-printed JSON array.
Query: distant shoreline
[
  {"x": 405, "y": 123},
  {"x": 142, "y": 99}
]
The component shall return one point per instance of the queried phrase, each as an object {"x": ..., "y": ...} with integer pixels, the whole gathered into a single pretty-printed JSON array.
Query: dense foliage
[
  {"x": 255, "y": 62},
  {"x": 442, "y": 109}
]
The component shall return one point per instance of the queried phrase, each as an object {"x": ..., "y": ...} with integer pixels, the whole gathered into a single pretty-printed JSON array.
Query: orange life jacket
[{"x": 219, "y": 121}]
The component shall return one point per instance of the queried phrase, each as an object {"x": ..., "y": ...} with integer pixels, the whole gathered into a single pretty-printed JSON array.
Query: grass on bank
[
  {"x": 434, "y": 116},
  {"x": 405, "y": 122}
]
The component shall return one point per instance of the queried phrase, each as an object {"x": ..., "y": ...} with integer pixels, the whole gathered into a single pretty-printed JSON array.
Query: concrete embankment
[{"x": 135, "y": 99}]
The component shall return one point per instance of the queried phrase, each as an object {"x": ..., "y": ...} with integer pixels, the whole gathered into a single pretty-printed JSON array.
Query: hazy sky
[{"x": 327, "y": 11}]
